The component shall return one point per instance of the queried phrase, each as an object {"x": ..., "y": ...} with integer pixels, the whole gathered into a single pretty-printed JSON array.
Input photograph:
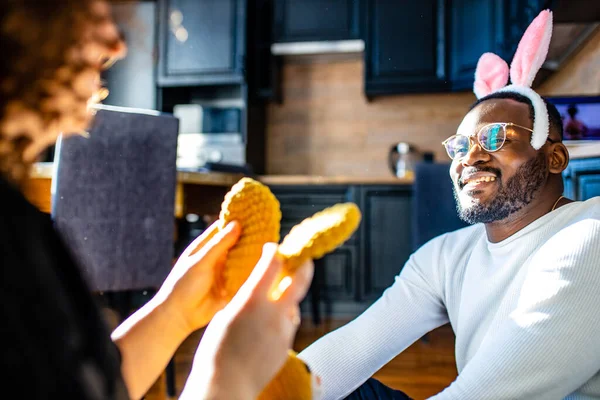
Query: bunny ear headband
[{"x": 492, "y": 73}]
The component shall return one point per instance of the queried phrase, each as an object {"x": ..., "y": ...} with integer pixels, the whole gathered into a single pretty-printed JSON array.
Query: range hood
[
  {"x": 574, "y": 23},
  {"x": 319, "y": 47},
  {"x": 567, "y": 39}
]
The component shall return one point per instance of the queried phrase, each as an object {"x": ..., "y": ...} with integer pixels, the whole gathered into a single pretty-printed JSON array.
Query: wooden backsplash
[{"x": 325, "y": 125}]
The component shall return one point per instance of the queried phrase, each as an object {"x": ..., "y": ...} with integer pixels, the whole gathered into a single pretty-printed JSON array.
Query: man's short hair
[{"x": 556, "y": 123}]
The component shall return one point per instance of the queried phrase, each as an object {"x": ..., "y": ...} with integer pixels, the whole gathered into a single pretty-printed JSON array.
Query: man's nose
[{"x": 475, "y": 155}]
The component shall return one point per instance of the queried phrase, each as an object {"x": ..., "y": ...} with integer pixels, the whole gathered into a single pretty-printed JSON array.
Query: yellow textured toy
[{"x": 257, "y": 210}]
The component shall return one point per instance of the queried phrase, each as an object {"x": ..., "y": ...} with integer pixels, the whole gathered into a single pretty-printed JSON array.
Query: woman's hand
[
  {"x": 246, "y": 343},
  {"x": 187, "y": 290},
  {"x": 148, "y": 339}
]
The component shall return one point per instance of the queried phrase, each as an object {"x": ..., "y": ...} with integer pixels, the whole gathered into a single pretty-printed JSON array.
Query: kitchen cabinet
[
  {"x": 479, "y": 26},
  {"x": 316, "y": 20},
  {"x": 386, "y": 239},
  {"x": 337, "y": 270},
  {"x": 201, "y": 42},
  {"x": 582, "y": 179},
  {"x": 475, "y": 28},
  {"x": 349, "y": 279},
  {"x": 434, "y": 45},
  {"x": 405, "y": 47}
]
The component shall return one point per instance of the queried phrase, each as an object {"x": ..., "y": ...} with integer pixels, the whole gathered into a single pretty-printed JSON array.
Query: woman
[{"x": 53, "y": 333}]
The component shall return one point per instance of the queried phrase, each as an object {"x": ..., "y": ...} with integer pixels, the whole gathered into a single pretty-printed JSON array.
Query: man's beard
[{"x": 519, "y": 191}]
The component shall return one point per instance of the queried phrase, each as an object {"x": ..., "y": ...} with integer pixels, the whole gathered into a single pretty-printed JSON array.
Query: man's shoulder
[
  {"x": 593, "y": 204},
  {"x": 588, "y": 209},
  {"x": 577, "y": 221}
]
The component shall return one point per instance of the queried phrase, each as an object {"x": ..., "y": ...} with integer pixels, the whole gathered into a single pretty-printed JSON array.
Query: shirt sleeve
[
  {"x": 550, "y": 346},
  {"x": 411, "y": 307}
]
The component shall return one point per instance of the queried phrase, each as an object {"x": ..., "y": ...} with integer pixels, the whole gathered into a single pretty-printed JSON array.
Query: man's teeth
[{"x": 482, "y": 179}]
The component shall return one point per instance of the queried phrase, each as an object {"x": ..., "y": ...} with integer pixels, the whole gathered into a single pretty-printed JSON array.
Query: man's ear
[{"x": 558, "y": 158}]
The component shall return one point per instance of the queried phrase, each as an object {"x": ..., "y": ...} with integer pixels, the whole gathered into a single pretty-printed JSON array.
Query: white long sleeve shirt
[{"x": 525, "y": 312}]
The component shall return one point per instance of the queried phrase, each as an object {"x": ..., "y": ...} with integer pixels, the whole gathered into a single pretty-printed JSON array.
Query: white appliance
[
  {"x": 209, "y": 133},
  {"x": 194, "y": 150}
]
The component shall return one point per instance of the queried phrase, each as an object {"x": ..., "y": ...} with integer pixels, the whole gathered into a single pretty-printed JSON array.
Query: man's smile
[{"x": 476, "y": 180}]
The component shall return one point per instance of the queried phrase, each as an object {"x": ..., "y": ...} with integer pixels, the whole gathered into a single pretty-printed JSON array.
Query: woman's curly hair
[{"x": 53, "y": 52}]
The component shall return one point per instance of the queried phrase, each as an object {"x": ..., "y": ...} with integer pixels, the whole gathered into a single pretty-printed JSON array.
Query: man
[{"x": 520, "y": 287}]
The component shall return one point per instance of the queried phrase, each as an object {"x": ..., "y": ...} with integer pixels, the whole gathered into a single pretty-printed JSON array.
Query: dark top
[{"x": 55, "y": 341}]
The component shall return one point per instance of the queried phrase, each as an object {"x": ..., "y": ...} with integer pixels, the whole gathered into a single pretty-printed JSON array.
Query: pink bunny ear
[
  {"x": 532, "y": 50},
  {"x": 491, "y": 74}
]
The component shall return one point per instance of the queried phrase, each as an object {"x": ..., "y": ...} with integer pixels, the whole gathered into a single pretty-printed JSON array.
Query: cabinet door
[
  {"x": 385, "y": 236},
  {"x": 201, "y": 42},
  {"x": 479, "y": 26},
  {"x": 312, "y": 20},
  {"x": 589, "y": 186},
  {"x": 517, "y": 15},
  {"x": 582, "y": 179},
  {"x": 404, "y": 47},
  {"x": 337, "y": 279},
  {"x": 475, "y": 28}
]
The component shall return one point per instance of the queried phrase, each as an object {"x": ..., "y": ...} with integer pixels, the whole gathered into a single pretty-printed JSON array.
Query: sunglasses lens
[
  {"x": 492, "y": 137},
  {"x": 457, "y": 146}
]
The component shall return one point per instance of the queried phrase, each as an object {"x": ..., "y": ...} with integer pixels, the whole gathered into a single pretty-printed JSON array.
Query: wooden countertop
[
  {"x": 583, "y": 149},
  {"x": 331, "y": 180},
  {"x": 199, "y": 191},
  {"x": 44, "y": 171}
]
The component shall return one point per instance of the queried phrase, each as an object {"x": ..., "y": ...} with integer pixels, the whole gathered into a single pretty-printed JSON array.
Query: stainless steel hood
[
  {"x": 574, "y": 23},
  {"x": 567, "y": 39},
  {"x": 320, "y": 47}
]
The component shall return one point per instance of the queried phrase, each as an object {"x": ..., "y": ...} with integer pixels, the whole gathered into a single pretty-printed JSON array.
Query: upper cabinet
[
  {"x": 475, "y": 28},
  {"x": 201, "y": 42},
  {"x": 434, "y": 45},
  {"x": 405, "y": 47},
  {"x": 410, "y": 46},
  {"x": 479, "y": 26},
  {"x": 316, "y": 20}
]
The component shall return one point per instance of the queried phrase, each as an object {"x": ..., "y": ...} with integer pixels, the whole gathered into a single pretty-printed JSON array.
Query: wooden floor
[{"x": 422, "y": 370}]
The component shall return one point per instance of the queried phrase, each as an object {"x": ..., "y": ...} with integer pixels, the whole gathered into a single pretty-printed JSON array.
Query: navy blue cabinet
[
  {"x": 434, "y": 45},
  {"x": 405, "y": 47},
  {"x": 349, "y": 279},
  {"x": 479, "y": 26},
  {"x": 475, "y": 28},
  {"x": 334, "y": 287},
  {"x": 315, "y": 20},
  {"x": 300, "y": 202},
  {"x": 582, "y": 179},
  {"x": 516, "y": 17},
  {"x": 386, "y": 236},
  {"x": 201, "y": 42}
]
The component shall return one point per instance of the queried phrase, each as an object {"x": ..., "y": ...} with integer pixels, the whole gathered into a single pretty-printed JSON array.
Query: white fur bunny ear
[
  {"x": 491, "y": 74},
  {"x": 532, "y": 50}
]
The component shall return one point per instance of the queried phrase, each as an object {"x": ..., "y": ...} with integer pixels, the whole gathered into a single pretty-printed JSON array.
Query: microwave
[{"x": 208, "y": 119}]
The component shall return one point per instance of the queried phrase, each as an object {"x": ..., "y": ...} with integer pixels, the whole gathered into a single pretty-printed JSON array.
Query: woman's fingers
[
  {"x": 201, "y": 240},
  {"x": 297, "y": 285},
  {"x": 217, "y": 245}
]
